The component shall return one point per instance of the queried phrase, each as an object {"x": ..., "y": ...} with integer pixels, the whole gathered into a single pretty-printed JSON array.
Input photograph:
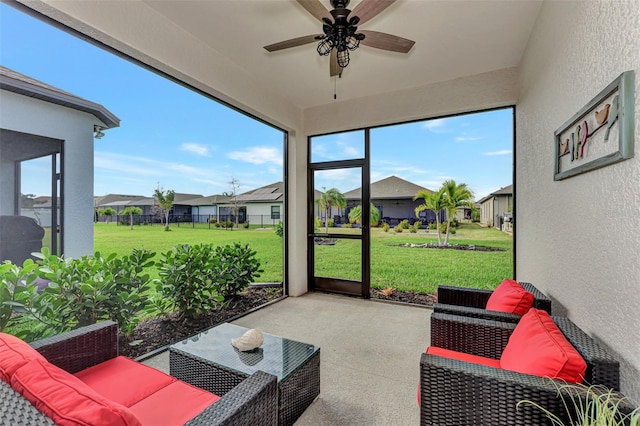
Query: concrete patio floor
[{"x": 369, "y": 355}]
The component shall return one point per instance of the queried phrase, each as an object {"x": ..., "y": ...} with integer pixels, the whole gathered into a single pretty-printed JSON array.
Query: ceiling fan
[{"x": 341, "y": 35}]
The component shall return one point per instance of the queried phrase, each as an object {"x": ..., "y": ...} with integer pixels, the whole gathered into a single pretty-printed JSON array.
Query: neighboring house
[
  {"x": 495, "y": 206},
  {"x": 205, "y": 208},
  {"x": 262, "y": 205},
  {"x": 39, "y": 121},
  {"x": 393, "y": 196}
]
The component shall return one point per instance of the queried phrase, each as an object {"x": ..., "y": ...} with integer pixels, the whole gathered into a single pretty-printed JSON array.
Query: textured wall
[
  {"x": 75, "y": 128},
  {"x": 579, "y": 239}
]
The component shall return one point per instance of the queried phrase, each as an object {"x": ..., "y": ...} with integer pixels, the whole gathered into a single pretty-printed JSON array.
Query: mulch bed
[
  {"x": 155, "y": 333},
  {"x": 471, "y": 247}
]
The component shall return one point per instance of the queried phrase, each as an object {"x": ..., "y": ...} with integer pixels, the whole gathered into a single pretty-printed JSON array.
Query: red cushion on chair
[
  {"x": 538, "y": 347},
  {"x": 461, "y": 356},
  {"x": 65, "y": 399},
  {"x": 511, "y": 298},
  {"x": 173, "y": 405},
  {"x": 124, "y": 380},
  {"x": 14, "y": 353}
]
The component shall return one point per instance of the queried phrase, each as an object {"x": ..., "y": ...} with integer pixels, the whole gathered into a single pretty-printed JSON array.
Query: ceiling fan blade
[
  {"x": 334, "y": 68},
  {"x": 386, "y": 41},
  {"x": 368, "y": 9},
  {"x": 315, "y": 8},
  {"x": 299, "y": 41}
]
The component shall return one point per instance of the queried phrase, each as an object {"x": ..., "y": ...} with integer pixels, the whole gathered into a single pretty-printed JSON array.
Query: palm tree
[
  {"x": 355, "y": 215},
  {"x": 131, "y": 210},
  {"x": 455, "y": 196},
  {"x": 107, "y": 213},
  {"x": 329, "y": 199},
  {"x": 433, "y": 201}
]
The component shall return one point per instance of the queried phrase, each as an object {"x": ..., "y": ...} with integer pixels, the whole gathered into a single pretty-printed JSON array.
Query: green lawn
[{"x": 391, "y": 266}]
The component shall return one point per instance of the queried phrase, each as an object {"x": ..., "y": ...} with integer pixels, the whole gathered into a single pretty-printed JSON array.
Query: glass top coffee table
[{"x": 209, "y": 361}]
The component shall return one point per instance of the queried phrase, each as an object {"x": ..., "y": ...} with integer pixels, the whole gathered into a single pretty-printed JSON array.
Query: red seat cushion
[
  {"x": 14, "y": 353},
  {"x": 174, "y": 404},
  {"x": 511, "y": 298},
  {"x": 124, "y": 380},
  {"x": 461, "y": 356},
  {"x": 67, "y": 400},
  {"x": 538, "y": 347}
]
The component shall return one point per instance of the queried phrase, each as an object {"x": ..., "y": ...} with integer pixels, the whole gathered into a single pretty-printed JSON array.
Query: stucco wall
[
  {"x": 75, "y": 128},
  {"x": 578, "y": 239}
]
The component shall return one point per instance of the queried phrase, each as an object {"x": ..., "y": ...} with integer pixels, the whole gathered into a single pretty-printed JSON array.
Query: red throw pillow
[
  {"x": 65, "y": 399},
  {"x": 538, "y": 347},
  {"x": 14, "y": 353},
  {"x": 511, "y": 298}
]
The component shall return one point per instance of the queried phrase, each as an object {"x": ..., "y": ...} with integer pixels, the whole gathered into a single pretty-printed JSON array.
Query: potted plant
[{"x": 593, "y": 405}]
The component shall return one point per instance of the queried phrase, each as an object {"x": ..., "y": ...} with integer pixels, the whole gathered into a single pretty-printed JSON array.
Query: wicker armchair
[
  {"x": 462, "y": 393},
  {"x": 471, "y": 302},
  {"x": 253, "y": 401}
]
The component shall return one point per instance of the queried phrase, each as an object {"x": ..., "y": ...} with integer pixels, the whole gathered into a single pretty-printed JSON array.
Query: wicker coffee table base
[{"x": 295, "y": 392}]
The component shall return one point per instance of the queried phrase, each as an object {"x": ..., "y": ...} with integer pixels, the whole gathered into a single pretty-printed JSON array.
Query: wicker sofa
[
  {"x": 253, "y": 401},
  {"x": 464, "y": 393},
  {"x": 471, "y": 302}
]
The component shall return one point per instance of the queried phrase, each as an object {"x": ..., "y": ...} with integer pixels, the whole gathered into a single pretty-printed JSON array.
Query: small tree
[
  {"x": 107, "y": 213},
  {"x": 433, "y": 201},
  {"x": 355, "y": 215},
  {"x": 165, "y": 200},
  {"x": 330, "y": 198},
  {"x": 131, "y": 210},
  {"x": 235, "y": 186}
]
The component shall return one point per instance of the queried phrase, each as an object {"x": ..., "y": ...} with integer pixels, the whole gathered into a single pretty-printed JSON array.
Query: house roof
[
  {"x": 265, "y": 194},
  {"x": 110, "y": 198},
  {"x": 392, "y": 187},
  {"x": 505, "y": 190},
  {"x": 211, "y": 200},
  {"x": 178, "y": 197},
  {"x": 13, "y": 81}
]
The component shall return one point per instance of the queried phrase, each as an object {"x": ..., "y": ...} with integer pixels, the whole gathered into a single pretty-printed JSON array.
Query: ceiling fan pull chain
[{"x": 334, "y": 87}]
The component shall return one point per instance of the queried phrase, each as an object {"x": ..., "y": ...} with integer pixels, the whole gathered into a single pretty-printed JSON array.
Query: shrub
[
  {"x": 317, "y": 222},
  {"x": 347, "y": 225},
  {"x": 330, "y": 223},
  {"x": 186, "y": 280},
  {"x": 417, "y": 225},
  {"x": 404, "y": 224},
  {"x": 385, "y": 227},
  {"x": 237, "y": 268},
  {"x": 213, "y": 220},
  {"x": 398, "y": 229},
  {"x": 86, "y": 290},
  {"x": 413, "y": 230},
  {"x": 245, "y": 225},
  {"x": 16, "y": 290},
  {"x": 432, "y": 225},
  {"x": 280, "y": 229}
]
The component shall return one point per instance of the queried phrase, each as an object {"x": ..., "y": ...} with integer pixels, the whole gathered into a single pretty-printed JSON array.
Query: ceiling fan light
[
  {"x": 353, "y": 21},
  {"x": 327, "y": 21},
  {"x": 343, "y": 58},
  {"x": 352, "y": 42},
  {"x": 325, "y": 47}
]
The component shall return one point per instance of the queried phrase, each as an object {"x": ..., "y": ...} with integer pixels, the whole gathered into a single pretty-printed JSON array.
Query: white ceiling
[
  {"x": 218, "y": 43},
  {"x": 453, "y": 39}
]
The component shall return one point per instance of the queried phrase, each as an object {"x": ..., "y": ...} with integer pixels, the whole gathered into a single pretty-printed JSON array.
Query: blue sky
[{"x": 183, "y": 141}]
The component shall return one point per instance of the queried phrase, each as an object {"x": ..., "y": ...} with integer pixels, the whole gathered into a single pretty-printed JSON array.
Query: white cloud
[
  {"x": 467, "y": 139},
  {"x": 195, "y": 148},
  {"x": 501, "y": 152},
  {"x": 258, "y": 155},
  {"x": 134, "y": 165},
  {"x": 436, "y": 125}
]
